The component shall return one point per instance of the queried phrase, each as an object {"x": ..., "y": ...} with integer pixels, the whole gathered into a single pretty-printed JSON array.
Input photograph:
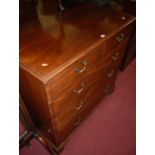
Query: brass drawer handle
[
  {"x": 115, "y": 56},
  {"x": 120, "y": 37},
  {"x": 111, "y": 73},
  {"x": 81, "y": 69},
  {"x": 76, "y": 123},
  {"x": 78, "y": 91},
  {"x": 79, "y": 106},
  {"x": 106, "y": 89}
]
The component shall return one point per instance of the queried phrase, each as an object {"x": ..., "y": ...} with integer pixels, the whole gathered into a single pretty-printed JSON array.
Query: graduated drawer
[
  {"x": 118, "y": 38},
  {"x": 83, "y": 69},
  {"x": 69, "y": 103},
  {"x": 68, "y": 129},
  {"x": 71, "y": 118}
]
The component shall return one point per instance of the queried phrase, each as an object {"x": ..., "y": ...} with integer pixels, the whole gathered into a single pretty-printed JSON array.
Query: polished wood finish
[
  {"x": 118, "y": 38},
  {"x": 51, "y": 43},
  {"x": 68, "y": 62}
]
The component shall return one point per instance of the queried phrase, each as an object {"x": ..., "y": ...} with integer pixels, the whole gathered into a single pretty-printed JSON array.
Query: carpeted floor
[{"x": 110, "y": 129}]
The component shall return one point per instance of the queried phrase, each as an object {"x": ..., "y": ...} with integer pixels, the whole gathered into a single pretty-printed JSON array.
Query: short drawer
[{"x": 117, "y": 39}]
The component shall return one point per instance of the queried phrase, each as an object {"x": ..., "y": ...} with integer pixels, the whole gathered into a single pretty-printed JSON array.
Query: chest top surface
[{"x": 53, "y": 40}]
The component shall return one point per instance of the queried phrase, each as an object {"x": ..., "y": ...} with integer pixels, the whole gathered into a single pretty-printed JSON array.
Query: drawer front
[
  {"x": 67, "y": 105},
  {"x": 117, "y": 39},
  {"x": 72, "y": 117},
  {"x": 72, "y": 124},
  {"x": 102, "y": 87},
  {"x": 76, "y": 72}
]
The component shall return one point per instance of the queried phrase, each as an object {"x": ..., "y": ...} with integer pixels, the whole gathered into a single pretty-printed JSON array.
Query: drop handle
[
  {"x": 77, "y": 122},
  {"x": 79, "y": 70},
  {"x": 115, "y": 56},
  {"x": 80, "y": 105},
  {"x": 111, "y": 73},
  {"x": 106, "y": 89},
  {"x": 78, "y": 91},
  {"x": 120, "y": 37}
]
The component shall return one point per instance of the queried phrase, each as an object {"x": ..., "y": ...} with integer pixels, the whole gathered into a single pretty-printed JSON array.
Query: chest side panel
[{"x": 34, "y": 95}]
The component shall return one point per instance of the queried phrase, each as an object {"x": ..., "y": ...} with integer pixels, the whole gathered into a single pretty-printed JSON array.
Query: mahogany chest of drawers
[{"x": 68, "y": 63}]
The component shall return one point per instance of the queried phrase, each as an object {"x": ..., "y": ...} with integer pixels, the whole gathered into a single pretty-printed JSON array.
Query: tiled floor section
[{"x": 110, "y": 129}]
